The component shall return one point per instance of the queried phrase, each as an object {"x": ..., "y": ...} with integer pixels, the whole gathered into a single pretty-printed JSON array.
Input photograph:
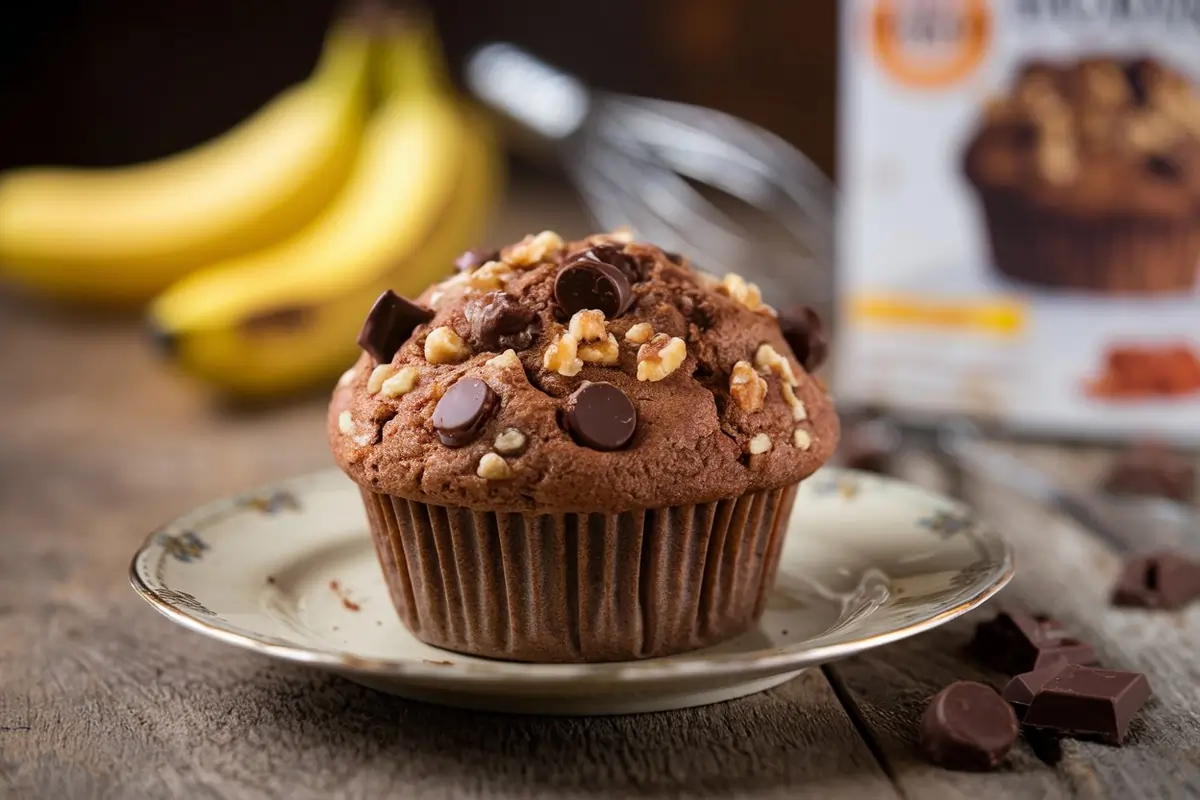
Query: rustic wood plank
[
  {"x": 1065, "y": 572},
  {"x": 100, "y": 697}
]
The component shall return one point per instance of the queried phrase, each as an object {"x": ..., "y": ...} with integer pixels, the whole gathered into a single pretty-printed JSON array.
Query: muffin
[
  {"x": 580, "y": 452},
  {"x": 1089, "y": 177}
]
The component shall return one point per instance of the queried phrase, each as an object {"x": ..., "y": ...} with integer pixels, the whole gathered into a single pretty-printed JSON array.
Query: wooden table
[{"x": 101, "y": 697}]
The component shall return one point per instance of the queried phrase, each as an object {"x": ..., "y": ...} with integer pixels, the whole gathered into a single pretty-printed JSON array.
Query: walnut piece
[
  {"x": 799, "y": 412},
  {"x": 640, "y": 333},
  {"x": 759, "y": 444},
  {"x": 768, "y": 358},
  {"x": 747, "y": 387},
  {"x": 493, "y": 467},
  {"x": 401, "y": 383},
  {"x": 1058, "y": 163},
  {"x": 346, "y": 423},
  {"x": 533, "y": 250},
  {"x": 802, "y": 439},
  {"x": 510, "y": 442},
  {"x": 606, "y": 352},
  {"x": 661, "y": 356},
  {"x": 736, "y": 287},
  {"x": 587, "y": 325},
  {"x": 490, "y": 277},
  {"x": 444, "y": 346},
  {"x": 506, "y": 360},
  {"x": 562, "y": 356},
  {"x": 1151, "y": 133},
  {"x": 378, "y": 375},
  {"x": 623, "y": 234},
  {"x": 347, "y": 377}
]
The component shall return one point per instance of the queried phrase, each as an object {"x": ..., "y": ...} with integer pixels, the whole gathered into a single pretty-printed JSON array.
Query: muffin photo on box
[
  {"x": 581, "y": 452},
  {"x": 1088, "y": 174}
]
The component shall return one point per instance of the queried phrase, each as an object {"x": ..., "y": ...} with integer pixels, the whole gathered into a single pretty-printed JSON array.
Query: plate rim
[{"x": 797, "y": 656}]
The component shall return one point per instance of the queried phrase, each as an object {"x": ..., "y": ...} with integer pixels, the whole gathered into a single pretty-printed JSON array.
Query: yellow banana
[
  {"x": 285, "y": 319},
  {"x": 117, "y": 236}
]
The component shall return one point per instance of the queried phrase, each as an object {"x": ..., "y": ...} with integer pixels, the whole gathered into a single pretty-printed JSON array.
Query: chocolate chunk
[
  {"x": 499, "y": 321},
  {"x": 587, "y": 283},
  {"x": 462, "y": 411},
  {"x": 1086, "y": 702},
  {"x": 1164, "y": 168},
  {"x": 389, "y": 324},
  {"x": 1021, "y": 690},
  {"x": 1168, "y": 581},
  {"x": 674, "y": 258},
  {"x": 1137, "y": 73},
  {"x": 1016, "y": 642},
  {"x": 600, "y": 416},
  {"x": 473, "y": 259},
  {"x": 967, "y": 726},
  {"x": 805, "y": 334},
  {"x": 1149, "y": 468}
]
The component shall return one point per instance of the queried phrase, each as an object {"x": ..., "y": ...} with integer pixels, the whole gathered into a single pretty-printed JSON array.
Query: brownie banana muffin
[
  {"x": 1089, "y": 177},
  {"x": 582, "y": 451}
]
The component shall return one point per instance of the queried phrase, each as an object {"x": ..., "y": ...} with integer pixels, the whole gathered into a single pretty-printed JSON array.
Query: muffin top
[
  {"x": 601, "y": 375},
  {"x": 1094, "y": 137}
]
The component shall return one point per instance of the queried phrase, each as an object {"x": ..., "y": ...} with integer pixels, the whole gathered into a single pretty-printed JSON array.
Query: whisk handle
[{"x": 540, "y": 97}]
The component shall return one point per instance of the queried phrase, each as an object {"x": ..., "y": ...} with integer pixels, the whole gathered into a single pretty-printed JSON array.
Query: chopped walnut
[
  {"x": 1152, "y": 133},
  {"x": 747, "y": 387},
  {"x": 640, "y": 333},
  {"x": 759, "y": 444},
  {"x": 736, "y": 287},
  {"x": 510, "y": 442},
  {"x": 490, "y": 277},
  {"x": 799, "y": 412},
  {"x": 660, "y": 357},
  {"x": 562, "y": 356},
  {"x": 444, "y": 346},
  {"x": 1058, "y": 163},
  {"x": 623, "y": 234},
  {"x": 606, "y": 352},
  {"x": 347, "y": 377},
  {"x": 493, "y": 467},
  {"x": 378, "y": 375},
  {"x": 1106, "y": 84},
  {"x": 401, "y": 383},
  {"x": 768, "y": 358},
  {"x": 507, "y": 359},
  {"x": 346, "y": 423},
  {"x": 802, "y": 439},
  {"x": 533, "y": 249},
  {"x": 587, "y": 325}
]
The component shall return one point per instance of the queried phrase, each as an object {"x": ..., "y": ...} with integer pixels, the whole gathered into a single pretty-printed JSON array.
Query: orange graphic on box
[{"x": 930, "y": 43}]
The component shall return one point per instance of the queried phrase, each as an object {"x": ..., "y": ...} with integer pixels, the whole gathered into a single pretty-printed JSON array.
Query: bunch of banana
[
  {"x": 284, "y": 318},
  {"x": 116, "y": 237}
]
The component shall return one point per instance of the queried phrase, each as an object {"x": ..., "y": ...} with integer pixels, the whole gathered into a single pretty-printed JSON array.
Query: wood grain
[
  {"x": 101, "y": 697},
  {"x": 1065, "y": 572}
]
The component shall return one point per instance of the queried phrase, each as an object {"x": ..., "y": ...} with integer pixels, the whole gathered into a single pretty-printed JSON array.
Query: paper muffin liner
[
  {"x": 1117, "y": 255},
  {"x": 579, "y": 587}
]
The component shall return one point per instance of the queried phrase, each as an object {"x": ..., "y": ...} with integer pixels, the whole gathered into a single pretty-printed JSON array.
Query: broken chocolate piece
[
  {"x": 389, "y": 324},
  {"x": 1015, "y": 642},
  {"x": 805, "y": 334},
  {"x": 968, "y": 726},
  {"x": 1166, "y": 580},
  {"x": 499, "y": 321},
  {"x": 1086, "y": 702},
  {"x": 1021, "y": 690},
  {"x": 1151, "y": 469}
]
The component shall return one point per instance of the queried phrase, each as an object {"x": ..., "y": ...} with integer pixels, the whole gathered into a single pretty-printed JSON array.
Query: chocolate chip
[
  {"x": 1021, "y": 690},
  {"x": 389, "y": 324},
  {"x": 805, "y": 334},
  {"x": 967, "y": 726},
  {"x": 473, "y": 259},
  {"x": 631, "y": 266},
  {"x": 1168, "y": 581},
  {"x": 1015, "y": 642},
  {"x": 1164, "y": 168},
  {"x": 1136, "y": 74},
  {"x": 600, "y": 416},
  {"x": 587, "y": 283},
  {"x": 1086, "y": 702},
  {"x": 462, "y": 411},
  {"x": 500, "y": 321}
]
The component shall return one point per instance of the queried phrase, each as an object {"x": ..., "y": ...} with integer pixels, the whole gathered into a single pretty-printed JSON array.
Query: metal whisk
[{"x": 652, "y": 165}]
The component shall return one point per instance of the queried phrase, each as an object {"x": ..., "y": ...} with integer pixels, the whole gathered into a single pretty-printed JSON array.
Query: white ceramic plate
[{"x": 290, "y": 571}]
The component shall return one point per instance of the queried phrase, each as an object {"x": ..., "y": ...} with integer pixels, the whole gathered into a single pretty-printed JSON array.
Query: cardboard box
[{"x": 1020, "y": 222}]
